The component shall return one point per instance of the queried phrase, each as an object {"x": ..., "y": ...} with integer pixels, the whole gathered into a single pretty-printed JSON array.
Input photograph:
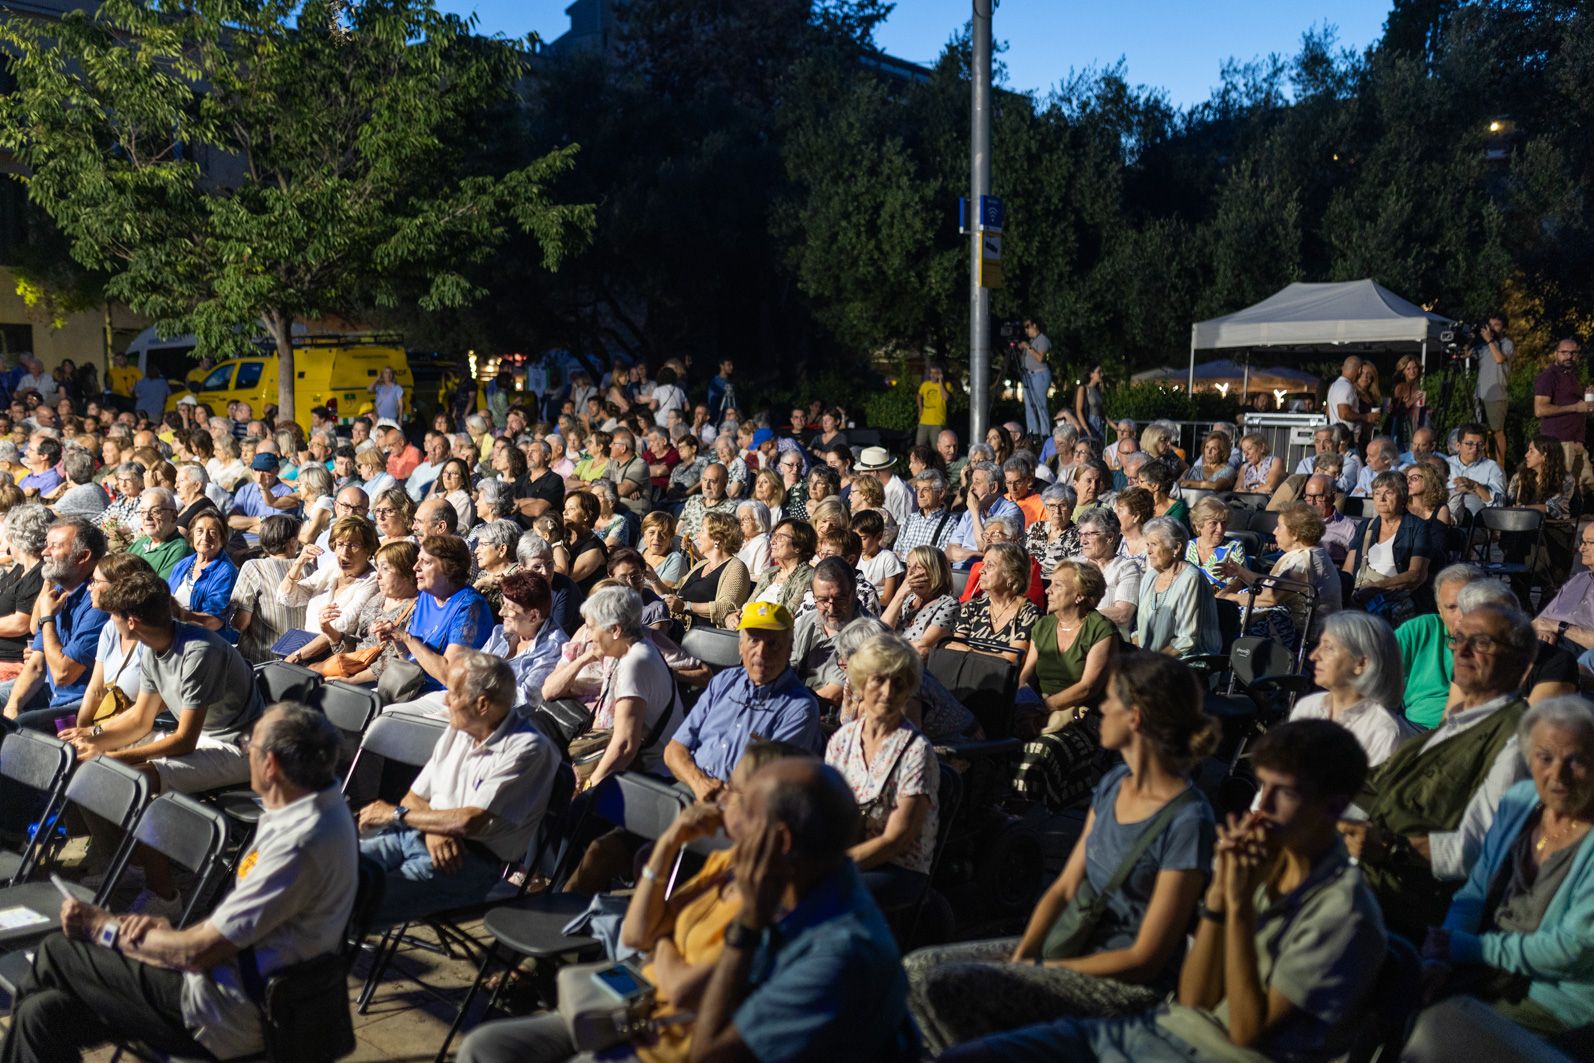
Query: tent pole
[
  {"x": 1425, "y": 354},
  {"x": 1191, "y": 384}
]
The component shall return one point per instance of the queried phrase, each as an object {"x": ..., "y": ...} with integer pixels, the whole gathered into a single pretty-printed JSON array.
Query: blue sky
[{"x": 1178, "y": 45}]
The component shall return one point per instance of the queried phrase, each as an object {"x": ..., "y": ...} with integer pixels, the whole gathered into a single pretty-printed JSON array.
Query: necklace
[{"x": 1548, "y": 837}]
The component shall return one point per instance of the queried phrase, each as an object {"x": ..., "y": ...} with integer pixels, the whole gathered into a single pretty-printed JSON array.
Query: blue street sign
[{"x": 992, "y": 214}]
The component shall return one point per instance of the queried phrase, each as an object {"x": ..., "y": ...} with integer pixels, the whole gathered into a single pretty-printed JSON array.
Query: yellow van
[{"x": 336, "y": 373}]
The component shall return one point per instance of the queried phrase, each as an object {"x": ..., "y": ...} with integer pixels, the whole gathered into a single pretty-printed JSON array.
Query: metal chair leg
[
  {"x": 379, "y": 962},
  {"x": 464, "y": 1005}
]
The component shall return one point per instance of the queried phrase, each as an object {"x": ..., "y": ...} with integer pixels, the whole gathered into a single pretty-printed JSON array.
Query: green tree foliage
[{"x": 239, "y": 163}]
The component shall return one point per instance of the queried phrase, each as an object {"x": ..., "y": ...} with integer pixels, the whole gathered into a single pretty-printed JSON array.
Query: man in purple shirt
[
  {"x": 1559, "y": 404},
  {"x": 1568, "y": 620},
  {"x": 1337, "y": 528}
]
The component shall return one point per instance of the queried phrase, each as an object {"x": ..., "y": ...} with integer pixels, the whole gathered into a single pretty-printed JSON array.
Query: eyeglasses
[
  {"x": 384, "y": 511},
  {"x": 155, "y": 511},
  {"x": 1314, "y": 498},
  {"x": 1479, "y": 644}
]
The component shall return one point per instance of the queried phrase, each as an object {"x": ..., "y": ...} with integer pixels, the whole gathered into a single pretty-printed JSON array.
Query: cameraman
[
  {"x": 1494, "y": 351},
  {"x": 1037, "y": 378}
]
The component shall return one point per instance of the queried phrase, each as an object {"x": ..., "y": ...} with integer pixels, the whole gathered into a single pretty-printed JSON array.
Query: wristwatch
[
  {"x": 398, "y": 815},
  {"x": 1560, "y": 629},
  {"x": 106, "y": 938},
  {"x": 1211, "y": 916},
  {"x": 98, "y": 730},
  {"x": 739, "y": 935}
]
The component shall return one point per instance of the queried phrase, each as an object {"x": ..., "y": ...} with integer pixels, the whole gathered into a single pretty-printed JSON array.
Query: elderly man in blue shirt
[
  {"x": 253, "y": 502},
  {"x": 763, "y": 699},
  {"x": 985, "y": 500},
  {"x": 56, "y": 674}
]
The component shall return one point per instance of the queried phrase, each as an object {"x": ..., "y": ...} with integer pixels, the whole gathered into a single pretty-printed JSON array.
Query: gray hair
[
  {"x": 78, "y": 465},
  {"x": 1482, "y": 592},
  {"x": 1021, "y": 463},
  {"x": 1014, "y": 526},
  {"x": 856, "y": 633},
  {"x": 9, "y": 452},
  {"x": 1567, "y": 712},
  {"x": 496, "y": 495},
  {"x": 27, "y": 526},
  {"x": 1131, "y": 463},
  {"x": 606, "y": 489},
  {"x": 619, "y": 607},
  {"x": 992, "y": 473},
  {"x": 1370, "y": 638},
  {"x": 760, "y": 513},
  {"x": 1103, "y": 519},
  {"x": 532, "y": 547},
  {"x": 934, "y": 477},
  {"x": 130, "y": 468},
  {"x": 196, "y": 472},
  {"x": 305, "y": 743},
  {"x": 1060, "y": 492},
  {"x": 476, "y": 421},
  {"x": 161, "y": 496},
  {"x": 1065, "y": 434},
  {"x": 486, "y": 676},
  {"x": 1461, "y": 572},
  {"x": 981, "y": 452},
  {"x": 504, "y": 533},
  {"x": 1167, "y": 531}
]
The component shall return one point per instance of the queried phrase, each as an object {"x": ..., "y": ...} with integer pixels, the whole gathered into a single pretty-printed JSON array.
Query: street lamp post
[{"x": 979, "y": 186}]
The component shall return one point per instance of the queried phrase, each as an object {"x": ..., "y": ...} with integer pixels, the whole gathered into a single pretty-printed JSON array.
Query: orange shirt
[
  {"x": 1031, "y": 506},
  {"x": 699, "y": 937}
]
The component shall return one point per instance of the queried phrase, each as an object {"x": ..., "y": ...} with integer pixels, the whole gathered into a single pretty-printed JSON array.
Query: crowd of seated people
[{"x": 1431, "y": 784}]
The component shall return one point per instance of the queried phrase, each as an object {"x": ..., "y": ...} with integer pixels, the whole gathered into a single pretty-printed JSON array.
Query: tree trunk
[{"x": 281, "y": 326}]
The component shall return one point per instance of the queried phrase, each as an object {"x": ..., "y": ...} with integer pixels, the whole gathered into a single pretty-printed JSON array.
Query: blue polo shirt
[
  {"x": 963, "y": 534},
  {"x": 251, "y": 503},
  {"x": 827, "y": 982},
  {"x": 733, "y": 709},
  {"x": 77, "y": 625},
  {"x": 42, "y": 482},
  {"x": 464, "y": 619}
]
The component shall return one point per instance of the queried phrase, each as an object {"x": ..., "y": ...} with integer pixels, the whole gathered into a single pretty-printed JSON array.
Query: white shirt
[
  {"x": 1341, "y": 393},
  {"x": 420, "y": 480},
  {"x": 899, "y": 500},
  {"x": 881, "y": 567},
  {"x": 1453, "y": 852},
  {"x": 1377, "y": 729},
  {"x": 669, "y": 397},
  {"x": 755, "y": 555},
  {"x": 292, "y": 898},
  {"x": 315, "y": 593},
  {"x": 509, "y": 774}
]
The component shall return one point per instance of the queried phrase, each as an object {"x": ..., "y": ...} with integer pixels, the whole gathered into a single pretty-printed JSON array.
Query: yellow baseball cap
[{"x": 765, "y": 616}]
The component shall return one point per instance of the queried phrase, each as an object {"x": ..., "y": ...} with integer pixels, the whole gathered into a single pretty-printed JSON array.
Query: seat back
[
  {"x": 985, "y": 684},
  {"x": 41, "y": 763},
  {"x": 110, "y": 790},
  {"x": 960, "y": 581},
  {"x": 1246, "y": 499},
  {"x": 281, "y": 681},
  {"x": 1356, "y": 506},
  {"x": 1252, "y": 658},
  {"x": 1508, "y": 519},
  {"x": 1228, "y": 621},
  {"x": 371, "y": 885},
  {"x": 715, "y": 647},
  {"x": 562, "y": 721},
  {"x": 1393, "y": 1004},
  {"x": 639, "y": 803},
  {"x": 1263, "y": 522},
  {"x": 1249, "y": 540},
  {"x": 402, "y": 739},
  {"x": 189, "y": 834},
  {"x": 350, "y": 708}
]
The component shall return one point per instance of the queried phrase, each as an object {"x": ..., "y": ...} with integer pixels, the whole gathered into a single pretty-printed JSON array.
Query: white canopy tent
[{"x": 1345, "y": 313}]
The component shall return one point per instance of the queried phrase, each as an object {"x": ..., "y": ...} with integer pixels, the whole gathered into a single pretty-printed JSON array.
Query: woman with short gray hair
[
  {"x": 122, "y": 514},
  {"x": 1357, "y": 663},
  {"x": 495, "y": 558},
  {"x": 1177, "y": 613},
  {"x": 1099, "y": 536},
  {"x": 639, "y": 701},
  {"x": 26, "y": 526},
  {"x": 1055, "y": 536},
  {"x": 753, "y": 517},
  {"x": 1518, "y": 932},
  {"x": 494, "y": 501}
]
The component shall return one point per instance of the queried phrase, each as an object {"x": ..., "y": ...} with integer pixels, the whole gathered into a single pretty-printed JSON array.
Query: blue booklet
[{"x": 297, "y": 639}]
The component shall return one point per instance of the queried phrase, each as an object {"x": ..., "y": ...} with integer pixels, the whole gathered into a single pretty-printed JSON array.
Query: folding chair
[
  {"x": 1356, "y": 506},
  {"x": 350, "y": 708},
  {"x": 948, "y": 796},
  {"x": 281, "y": 681},
  {"x": 532, "y": 928},
  {"x": 984, "y": 683},
  {"x": 715, "y": 647},
  {"x": 1393, "y": 1006},
  {"x": 1504, "y": 520},
  {"x": 405, "y": 741},
  {"x": 42, "y": 764}
]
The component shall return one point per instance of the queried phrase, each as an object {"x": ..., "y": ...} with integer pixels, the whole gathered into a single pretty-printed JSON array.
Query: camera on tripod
[{"x": 1458, "y": 340}]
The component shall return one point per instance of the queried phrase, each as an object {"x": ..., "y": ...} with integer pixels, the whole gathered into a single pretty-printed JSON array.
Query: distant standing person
[
  {"x": 389, "y": 396},
  {"x": 151, "y": 393},
  {"x": 1090, "y": 404},
  {"x": 721, "y": 392},
  {"x": 933, "y": 397},
  {"x": 123, "y": 378},
  {"x": 1037, "y": 378},
  {"x": 1495, "y": 351}
]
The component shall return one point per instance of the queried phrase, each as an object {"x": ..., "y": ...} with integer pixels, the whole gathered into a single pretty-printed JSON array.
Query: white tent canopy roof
[{"x": 1319, "y": 315}]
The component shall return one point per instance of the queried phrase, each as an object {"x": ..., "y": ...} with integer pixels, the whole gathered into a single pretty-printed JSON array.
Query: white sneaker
[{"x": 148, "y": 902}]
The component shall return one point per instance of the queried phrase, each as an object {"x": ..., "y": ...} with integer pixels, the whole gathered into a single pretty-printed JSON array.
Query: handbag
[
  {"x": 595, "y": 1017},
  {"x": 347, "y": 665},
  {"x": 115, "y": 700},
  {"x": 401, "y": 681},
  {"x": 1076, "y": 924}
]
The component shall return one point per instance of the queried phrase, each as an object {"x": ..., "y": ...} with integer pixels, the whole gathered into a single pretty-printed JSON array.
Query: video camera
[{"x": 1458, "y": 340}]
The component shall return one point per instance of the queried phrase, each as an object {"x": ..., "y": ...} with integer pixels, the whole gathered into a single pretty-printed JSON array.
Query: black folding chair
[
  {"x": 1392, "y": 1005},
  {"x": 1516, "y": 522},
  {"x": 42, "y": 764},
  {"x": 532, "y": 928},
  {"x": 350, "y": 708},
  {"x": 281, "y": 681},
  {"x": 715, "y": 647},
  {"x": 398, "y": 740}
]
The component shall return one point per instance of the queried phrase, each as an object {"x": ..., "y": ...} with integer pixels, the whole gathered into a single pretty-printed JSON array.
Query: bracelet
[
  {"x": 48, "y": 618},
  {"x": 1210, "y": 915},
  {"x": 1561, "y": 629},
  {"x": 649, "y": 874}
]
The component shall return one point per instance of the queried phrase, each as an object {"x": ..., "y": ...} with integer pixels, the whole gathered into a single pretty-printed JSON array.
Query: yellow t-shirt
[
  {"x": 123, "y": 379},
  {"x": 933, "y": 398}
]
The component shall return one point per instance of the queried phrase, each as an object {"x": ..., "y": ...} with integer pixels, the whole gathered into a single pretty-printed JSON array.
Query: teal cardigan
[{"x": 1558, "y": 958}]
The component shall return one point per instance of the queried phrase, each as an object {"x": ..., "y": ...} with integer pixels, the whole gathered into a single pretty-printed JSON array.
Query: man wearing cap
[
  {"x": 877, "y": 462},
  {"x": 252, "y": 504},
  {"x": 762, "y": 700}
]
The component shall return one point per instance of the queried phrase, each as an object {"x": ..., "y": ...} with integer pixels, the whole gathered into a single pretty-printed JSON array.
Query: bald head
[
  {"x": 812, "y": 803},
  {"x": 353, "y": 499},
  {"x": 435, "y": 516}
]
